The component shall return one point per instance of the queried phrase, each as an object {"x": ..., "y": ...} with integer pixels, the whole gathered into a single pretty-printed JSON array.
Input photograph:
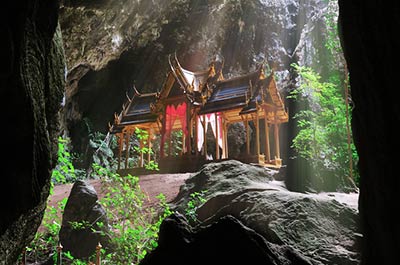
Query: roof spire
[
  {"x": 211, "y": 72},
  {"x": 262, "y": 73}
]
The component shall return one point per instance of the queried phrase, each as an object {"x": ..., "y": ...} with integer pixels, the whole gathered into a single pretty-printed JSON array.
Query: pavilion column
[
  {"x": 276, "y": 135},
  {"x": 162, "y": 149},
  {"x": 189, "y": 131},
  {"x": 216, "y": 137},
  {"x": 225, "y": 140},
  {"x": 267, "y": 147},
  {"x": 196, "y": 136},
  {"x": 247, "y": 137},
  {"x": 168, "y": 139},
  {"x": 163, "y": 131},
  {"x": 169, "y": 143},
  {"x": 205, "y": 136},
  {"x": 183, "y": 142},
  {"x": 149, "y": 147},
  {"x": 127, "y": 146},
  {"x": 120, "y": 144},
  {"x": 257, "y": 134},
  {"x": 141, "y": 159}
]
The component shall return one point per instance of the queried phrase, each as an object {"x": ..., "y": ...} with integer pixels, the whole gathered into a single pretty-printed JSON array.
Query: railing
[{"x": 59, "y": 249}]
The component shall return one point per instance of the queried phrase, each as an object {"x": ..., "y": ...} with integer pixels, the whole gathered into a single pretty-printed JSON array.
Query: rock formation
[
  {"x": 322, "y": 227},
  {"x": 80, "y": 230},
  {"x": 31, "y": 91},
  {"x": 369, "y": 34},
  {"x": 227, "y": 241}
]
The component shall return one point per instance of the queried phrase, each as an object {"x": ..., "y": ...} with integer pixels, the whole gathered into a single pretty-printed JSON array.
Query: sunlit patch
[{"x": 116, "y": 41}]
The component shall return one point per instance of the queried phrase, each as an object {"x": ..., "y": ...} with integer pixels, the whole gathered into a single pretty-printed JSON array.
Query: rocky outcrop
[
  {"x": 322, "y": 227},
  {"x": 369, "y": 36},
  {"x": 226, "y": 241},
  {"x": 84, "y": 222},
  {"x": 31, "y": 90},
  {"x": 249, "y": 30}
]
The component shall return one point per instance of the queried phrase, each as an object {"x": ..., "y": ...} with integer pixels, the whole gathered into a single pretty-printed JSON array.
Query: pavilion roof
[
  {"x": 245, "y": 94},
  {"x": 267, "y": 96},
  {"x": 193, "y": 84},
  {"x": 137, "y": 110},
  {"x": 231, "y": 93}
]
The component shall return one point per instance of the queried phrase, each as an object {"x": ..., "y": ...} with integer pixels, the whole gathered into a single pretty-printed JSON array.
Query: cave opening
[
  {"x": 110, "y": 47},
  {"x": 242, "y": 35}
]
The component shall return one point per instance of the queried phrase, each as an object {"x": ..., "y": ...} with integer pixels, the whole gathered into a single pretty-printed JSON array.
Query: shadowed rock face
[
  {"x": 83, "y": 207},
  {"x": 322, "y": 227},
  {"x": 31, "y": 90},
  {"x": 370, "y": 39},
  {"x": 227, "y": 241}
]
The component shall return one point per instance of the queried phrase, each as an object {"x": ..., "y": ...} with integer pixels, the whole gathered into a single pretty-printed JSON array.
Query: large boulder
[
  {"x": 80, "y": 230},
  {"x": 323, "y": 227},
  {"x": 227, "y": 241}
]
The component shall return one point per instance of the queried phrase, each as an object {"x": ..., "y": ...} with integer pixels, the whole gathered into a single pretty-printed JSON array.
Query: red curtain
[{"x": 171, "y": 114}]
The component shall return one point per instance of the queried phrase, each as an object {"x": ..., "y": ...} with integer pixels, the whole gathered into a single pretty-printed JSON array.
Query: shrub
[{"x": 134, "y": 225}]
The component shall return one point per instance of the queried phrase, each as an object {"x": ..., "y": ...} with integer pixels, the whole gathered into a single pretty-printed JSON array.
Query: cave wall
[
  {"x": 31, "y": 90},
  {"x": 370, "y": 40}
]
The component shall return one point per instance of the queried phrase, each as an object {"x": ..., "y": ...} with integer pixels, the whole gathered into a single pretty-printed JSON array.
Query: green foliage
[
  {"x": 331, "y": 19},
  {"x": 80, "y": 225},
  {"x": 67, "y": 256},
  {"x": 196, "y": 200},
  {"x": 134, "y": 226},
  {"x": 322, "y": 137},
  {"x": 46, "y": 238},
  {"x": 64, "y": 171},
  {"x": 143, "y": 137},
  {"x": 103, "y": 149},
  {"x": 176, "y": 142},
  {"x": 152, "y": 165}
]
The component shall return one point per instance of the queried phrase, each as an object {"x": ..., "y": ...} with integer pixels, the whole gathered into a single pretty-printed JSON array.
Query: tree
[{"x": 322, "y": 139}]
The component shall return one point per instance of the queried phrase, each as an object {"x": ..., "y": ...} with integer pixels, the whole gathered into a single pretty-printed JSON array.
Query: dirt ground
[{"x": 152, "y": 185}]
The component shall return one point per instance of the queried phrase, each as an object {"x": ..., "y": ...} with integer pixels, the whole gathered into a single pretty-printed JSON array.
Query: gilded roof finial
[
  {"x": 212, "y": 72},
  {"x": 262, "y": 73}
]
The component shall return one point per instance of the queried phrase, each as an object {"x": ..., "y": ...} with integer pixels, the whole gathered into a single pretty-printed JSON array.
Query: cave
[{"x": 32, "y": 89}]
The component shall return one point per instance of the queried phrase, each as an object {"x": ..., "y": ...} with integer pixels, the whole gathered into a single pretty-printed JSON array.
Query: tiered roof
[{"x": 247, "y": 94}]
